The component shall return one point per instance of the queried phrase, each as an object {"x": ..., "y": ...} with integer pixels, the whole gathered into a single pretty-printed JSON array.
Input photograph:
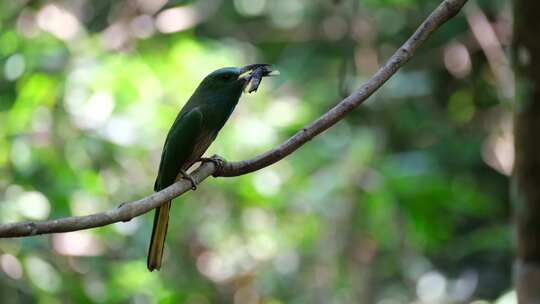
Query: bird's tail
[{"x": 159, "y": 232}]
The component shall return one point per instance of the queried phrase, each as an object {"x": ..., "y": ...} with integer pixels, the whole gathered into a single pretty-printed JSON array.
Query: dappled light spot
[
  {"x": 95, "y": 288},
  {"x": 42, "y": 274},
  {"x": 128, "y": 228},
  {"x": 250, "y": 7},
  {"x": 20, "y": 204},
  {"x": 283, "y": 111},
  {"x": 267, "y": 182},
  {"x": 414, "y": 163},
  {"x": 115, "y": 36},
  {"x": 41, "y": 125},
  {"x": 462, "y": 288},
  {"x": 77, "y": 156},
  {"x": 14, "y": 67},
  {"x": 21, "y": 154},
  {"x": 431, "y": 287},
  {"x": 120, "y": 130},
  {"x": 233, "y": 250},
  {"x": 149, "y": 89},
  {"x": 213, "y": 266},
  {"x": 508, "y": 298},
  {"x": 217, "y": 216},
  {"x": 151, "y": 6},
  {"x": 79, "y": 265},
  {"x": 32, "y": 91},
  {"x": 83, "y": 203},
  {"x": 253, "y": 132},
  {"x": 523, "y": 55},
  {"x": 26, "y": 23},
  {"x": 363, "y": 30},
  {"x": 286, "y": 262},
  {"x": 366, "y": 59},
  {"x": 334, "y": 27},
  {"x": 58, "y": 21},
  {"x": 34, "y": 205},
  {"x": 484, "y": 33},
  {"x": 457, "y": 60},
  {"x": 498, "y": 149},
  {"x": 11, "y": 266},
  {"x": 257, "y": 219},
  {"x": 371, "y": 180},
  {"x": 130, "y": 279},
  {"x": 111, "y": 181},
  {"x": 286, "y": 13},
  {"x": 77, "y": 243},
  {"x": 10, "y": 211},
  {"x": 408, "y": 84},
  {"x": 94, "y": 112},
  {"x": 142, "y": 26},
  {"x": 262, "y": 246},
  {"x": 177, "y": 19}
]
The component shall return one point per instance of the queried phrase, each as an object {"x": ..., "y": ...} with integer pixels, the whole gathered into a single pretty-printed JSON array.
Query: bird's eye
[{"x": 226, "y": 77}]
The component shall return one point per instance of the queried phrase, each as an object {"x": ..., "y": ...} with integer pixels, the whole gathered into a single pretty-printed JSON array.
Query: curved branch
[
  {"x": 125, "y": 212},
  {"x": 446, "y": 10}
]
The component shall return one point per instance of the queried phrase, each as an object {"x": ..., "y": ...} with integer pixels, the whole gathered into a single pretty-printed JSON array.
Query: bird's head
[{"x": 233, "y": 80}]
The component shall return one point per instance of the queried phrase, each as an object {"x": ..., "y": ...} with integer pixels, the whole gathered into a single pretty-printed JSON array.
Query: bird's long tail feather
[{"x": 159, "y": 232}]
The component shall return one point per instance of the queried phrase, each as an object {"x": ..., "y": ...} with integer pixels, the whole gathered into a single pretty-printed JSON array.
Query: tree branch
[
  {"x": 446, "y": 10},
  {"x": 125, "y": 212}
]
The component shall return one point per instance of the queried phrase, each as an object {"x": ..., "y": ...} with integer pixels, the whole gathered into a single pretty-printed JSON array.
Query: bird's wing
[
  {"x": 178, "y": 147},
  {"x": 202, "y": 142}
]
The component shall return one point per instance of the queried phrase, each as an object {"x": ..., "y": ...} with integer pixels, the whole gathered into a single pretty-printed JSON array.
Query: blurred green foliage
[{"x": 404, "y": 201}]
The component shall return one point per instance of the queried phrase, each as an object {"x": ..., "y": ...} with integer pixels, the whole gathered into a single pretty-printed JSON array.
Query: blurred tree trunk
[{"x": 526, "y": 182}]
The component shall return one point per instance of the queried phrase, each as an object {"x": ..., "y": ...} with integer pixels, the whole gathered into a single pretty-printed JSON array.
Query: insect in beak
[{"x": 254, "y": 73}]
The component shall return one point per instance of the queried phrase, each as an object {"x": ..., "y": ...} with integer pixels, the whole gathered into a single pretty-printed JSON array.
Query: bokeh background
[{"x": 405, "y": 201}]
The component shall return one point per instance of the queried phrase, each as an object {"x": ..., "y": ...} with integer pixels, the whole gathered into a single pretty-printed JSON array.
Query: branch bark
[{"x": 125, "y": 212}]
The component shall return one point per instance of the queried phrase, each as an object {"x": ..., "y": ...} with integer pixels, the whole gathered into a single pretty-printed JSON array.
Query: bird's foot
[
  {"x": 218, "y": 161},
  {"x": 185, "y": 175}
]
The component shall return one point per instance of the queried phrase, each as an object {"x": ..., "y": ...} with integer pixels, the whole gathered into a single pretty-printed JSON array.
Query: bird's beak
[{"x": 247, "y": 71}]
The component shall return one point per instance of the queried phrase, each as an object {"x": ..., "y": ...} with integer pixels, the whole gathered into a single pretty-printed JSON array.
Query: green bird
[{"x": 194, "y": 129}]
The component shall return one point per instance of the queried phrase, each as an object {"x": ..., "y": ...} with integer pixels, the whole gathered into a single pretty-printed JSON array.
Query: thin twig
[{"x": 125, "y": 212}]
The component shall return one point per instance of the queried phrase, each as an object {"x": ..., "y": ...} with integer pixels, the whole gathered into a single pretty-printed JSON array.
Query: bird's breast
[{"x": 203, "y": 141}]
